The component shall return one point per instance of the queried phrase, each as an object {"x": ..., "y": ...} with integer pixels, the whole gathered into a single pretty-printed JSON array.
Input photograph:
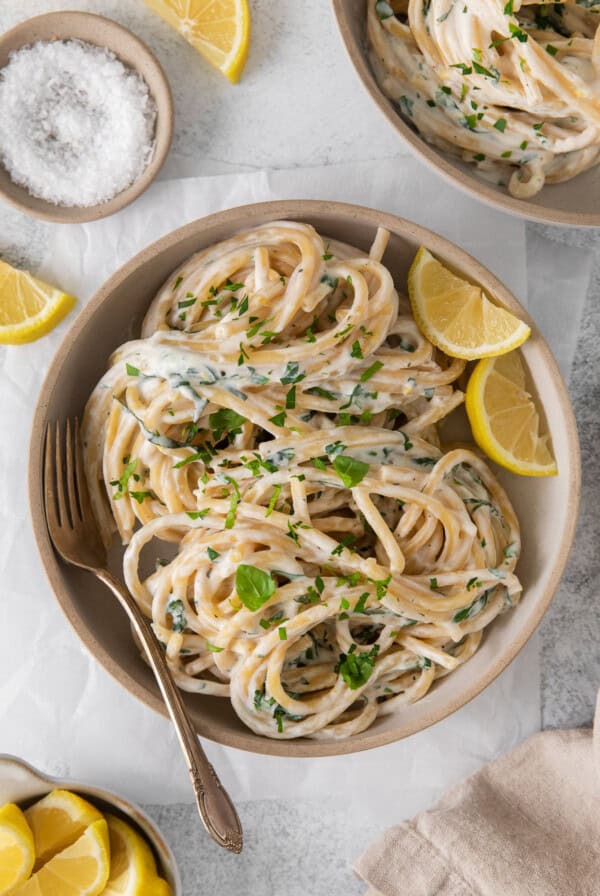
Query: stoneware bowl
[
  {"x": 575, "y": 202},
  {"x": 22, "y": 784},
  {"x": 133, "y": 53},
  {"x": 547, "y": 508}
]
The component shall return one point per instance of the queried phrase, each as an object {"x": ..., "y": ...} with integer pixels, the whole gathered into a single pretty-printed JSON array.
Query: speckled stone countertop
[{"x": 299, "y": 104}]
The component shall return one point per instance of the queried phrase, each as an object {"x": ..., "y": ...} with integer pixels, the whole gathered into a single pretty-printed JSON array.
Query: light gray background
[{"x": 300, "y": 103}]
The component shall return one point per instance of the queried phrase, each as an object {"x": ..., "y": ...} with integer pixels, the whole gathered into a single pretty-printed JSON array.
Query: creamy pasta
[
  {"x": 511, "y": 87},
  {"x": 272, "y": 440}
]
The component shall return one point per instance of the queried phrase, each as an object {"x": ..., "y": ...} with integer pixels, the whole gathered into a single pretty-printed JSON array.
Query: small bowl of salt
[{"x": 86, "y": 117}]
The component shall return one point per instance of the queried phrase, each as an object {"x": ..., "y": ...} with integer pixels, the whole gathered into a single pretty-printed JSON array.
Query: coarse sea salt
[{"x": 76, "y": 125}]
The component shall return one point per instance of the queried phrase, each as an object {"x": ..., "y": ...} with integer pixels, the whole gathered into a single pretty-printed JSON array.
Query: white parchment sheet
[{"x": 58, "y": 708}]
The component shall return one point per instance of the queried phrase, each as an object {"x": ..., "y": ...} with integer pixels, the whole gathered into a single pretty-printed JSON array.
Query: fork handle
[{"x": 216, "y": 810}]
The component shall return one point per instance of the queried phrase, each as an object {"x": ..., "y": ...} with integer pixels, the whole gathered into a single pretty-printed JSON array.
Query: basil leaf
[
  {"x": 350, "y": 471},
  {"x": 254, "y": 586},
  {"x": 225, "y": 421}
]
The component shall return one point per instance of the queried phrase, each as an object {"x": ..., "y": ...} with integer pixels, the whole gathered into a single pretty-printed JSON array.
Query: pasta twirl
[
  {"x": 272, "y": 440},
  {"x": 511, "y": 87}
]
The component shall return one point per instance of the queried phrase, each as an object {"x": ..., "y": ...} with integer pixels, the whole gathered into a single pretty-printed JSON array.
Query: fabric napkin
[
  {"x": 525, "y": 825},
  {"x": 58, "y": 708}
]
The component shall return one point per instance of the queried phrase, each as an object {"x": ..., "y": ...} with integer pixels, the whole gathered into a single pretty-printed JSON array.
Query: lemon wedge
[
  {"x": 504, "y": 418},
  {"x": 218, "y": 29},
  {"x": 79, "y": 870},
  {"x": 132, "y": 866},
  {"x": 29, "y": 308},
  {"x": 57, "y": 821},
  {"x": 456, "y": 316},
  {"x": 17, "y": 852}
]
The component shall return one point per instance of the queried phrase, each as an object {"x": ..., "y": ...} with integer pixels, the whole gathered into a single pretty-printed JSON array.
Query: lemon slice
[
  {"x": 132, "y": 866},
  {"x": 456, "y": 316},
  {"x": 29, "y": 308},
  {"x": 57, "y": 821},
  {"x": 504, "y": 418},
  {"x": 17, "y": 852},
  {"x": 79, "y": 870},
  {"x": 218, "y": 29}
]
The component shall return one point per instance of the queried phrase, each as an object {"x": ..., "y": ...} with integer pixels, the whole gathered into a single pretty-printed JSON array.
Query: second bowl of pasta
[
  {"x": 328, "y": 561},
  {"x": 502, "y": 99}
]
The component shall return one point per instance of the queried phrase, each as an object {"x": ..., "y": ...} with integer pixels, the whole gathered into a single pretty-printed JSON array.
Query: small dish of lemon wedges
[
  {"x": 62, "y": 844},
  {"x": 460, "y": 320}
]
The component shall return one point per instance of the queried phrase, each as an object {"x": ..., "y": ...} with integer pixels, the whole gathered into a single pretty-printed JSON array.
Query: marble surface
[{"x": 299, "y": 103}]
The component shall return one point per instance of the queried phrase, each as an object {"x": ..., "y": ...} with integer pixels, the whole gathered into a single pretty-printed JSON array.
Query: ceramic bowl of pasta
[
  {"x": 278, "y": 459},
  {"x": 501, "y": 98}
]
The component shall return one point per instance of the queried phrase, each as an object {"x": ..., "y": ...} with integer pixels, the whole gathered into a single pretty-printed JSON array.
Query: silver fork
[{"x": 74, "y": 533}]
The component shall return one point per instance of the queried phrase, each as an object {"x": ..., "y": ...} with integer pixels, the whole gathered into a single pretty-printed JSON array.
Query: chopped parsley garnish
[
  {"x": 344, "y": 543},
  {"x": 371, "y": 371},
  {"x": 282, "y": 633},
  {"x": 356, "y": 350},
  {"x": 472, "y": 610},
  {"x": 500, "y": 125},
  {"x": 234, "y": 500},
  {"x": 361, "y": 603},
  {"x": 290, "y": 399},
  {"x": 292, "y": 374},
  {"x": 140, "y": 497},
  {"x": 254, "y": 586},
  {"x": 278, "y": 419},
  {"x": 356, "y": 668},
  {"x": 212, "y": 554},
  {"x": 213, "y": 648},
  {"x": 121, "y": 482},
  {"x": 273, "y": 501},
  {"x": 465, "y": 69},
  {"x": 177, "y": 611},
  {"x": 131, "y": 370},
  {"x": 197, "y": 514},
  {"x": 517, "y": 32}
]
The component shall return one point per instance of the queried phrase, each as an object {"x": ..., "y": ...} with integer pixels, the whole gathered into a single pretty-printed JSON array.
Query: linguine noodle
[{"x": 272, "y": 439}]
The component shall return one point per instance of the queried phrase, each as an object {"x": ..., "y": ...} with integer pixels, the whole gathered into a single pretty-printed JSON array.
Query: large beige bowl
[
  {"x": 575, "y": 202},
  {"x": 132, "y": 52},
  {"x": 547, "y": 508},
  {"x": 22, "y": 784}
]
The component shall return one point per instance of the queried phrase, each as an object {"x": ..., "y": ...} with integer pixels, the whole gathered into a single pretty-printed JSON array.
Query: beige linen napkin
[{"x": 528, "y": 824}]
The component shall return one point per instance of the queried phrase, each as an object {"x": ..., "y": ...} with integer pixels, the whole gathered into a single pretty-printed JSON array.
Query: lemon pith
[
  {"x": 17, "y": 852},
  {"x": 456, "y": 316},
  {"x": 504, "y": 418},
  {"x": 29, "y": 308},
  {"x": 218, "y": 29}
]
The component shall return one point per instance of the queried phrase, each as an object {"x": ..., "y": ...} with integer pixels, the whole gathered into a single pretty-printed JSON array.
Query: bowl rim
[
  {"x": 436, "y": 159},
  {"x": 165, "y": 112},
  {"x": 238, "y": 219},
  {"x": 134, "y": 813}
]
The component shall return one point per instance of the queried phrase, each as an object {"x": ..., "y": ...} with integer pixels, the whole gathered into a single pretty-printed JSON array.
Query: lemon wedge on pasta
[
  {"x": 505, "y": 420},
  {"x": 457, "y": 316}
]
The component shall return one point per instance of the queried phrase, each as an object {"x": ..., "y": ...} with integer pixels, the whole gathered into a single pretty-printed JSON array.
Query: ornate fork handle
[{"x": 216, "y": 809}]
